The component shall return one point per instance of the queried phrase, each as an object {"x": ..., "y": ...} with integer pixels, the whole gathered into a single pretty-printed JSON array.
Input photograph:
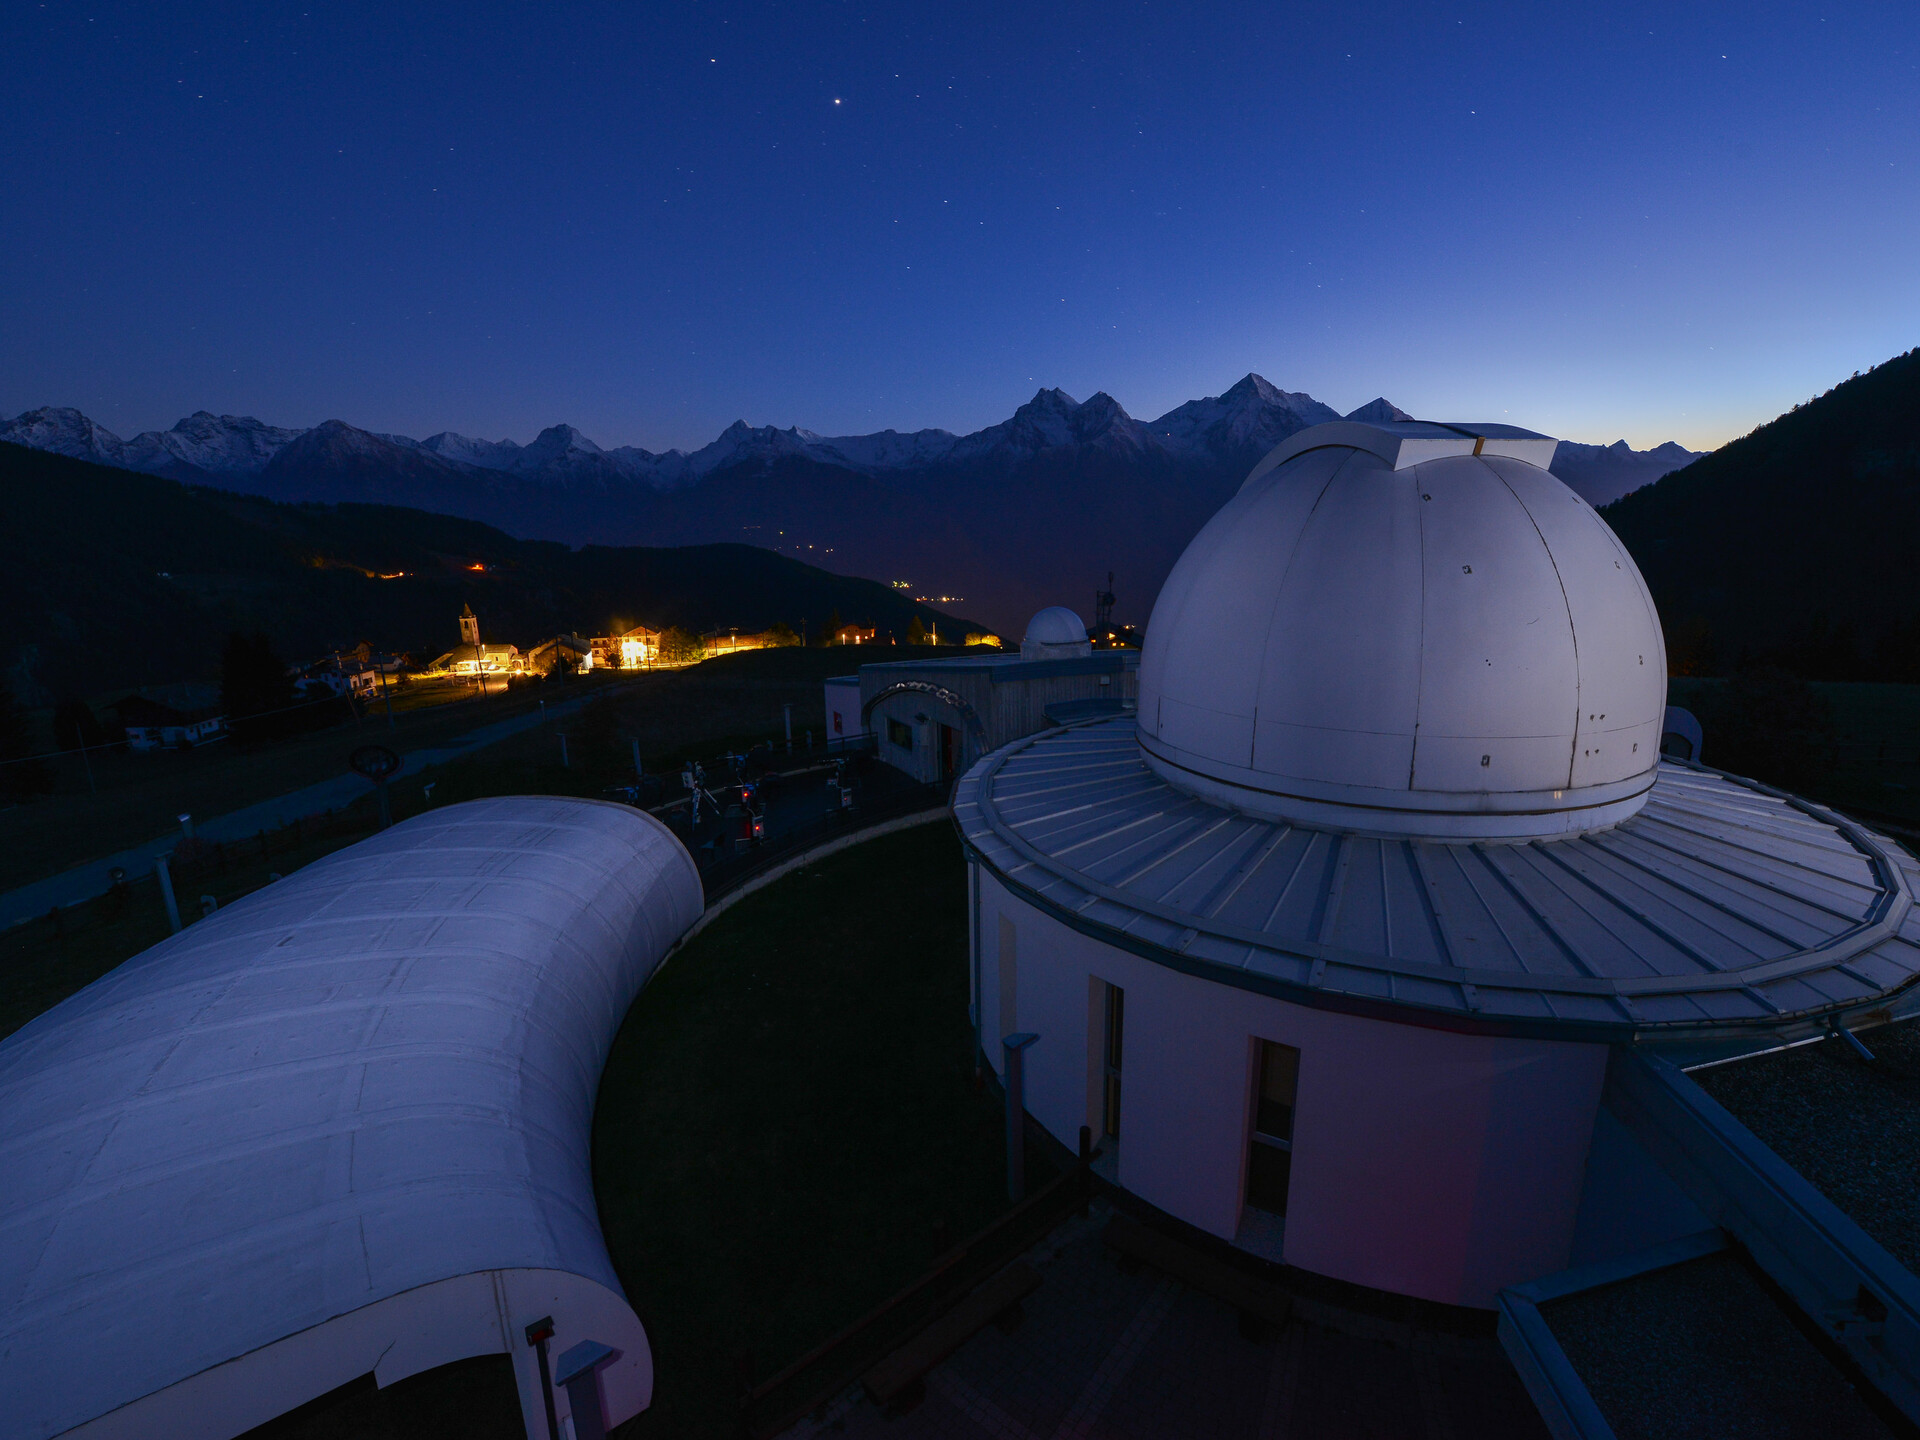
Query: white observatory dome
[
  {"x": 1408, "y": 629},
  {"x": 1055, "y": 633}
]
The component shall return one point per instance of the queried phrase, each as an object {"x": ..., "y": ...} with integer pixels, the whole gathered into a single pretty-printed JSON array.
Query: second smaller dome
[{"x": 1055, "y": 633}]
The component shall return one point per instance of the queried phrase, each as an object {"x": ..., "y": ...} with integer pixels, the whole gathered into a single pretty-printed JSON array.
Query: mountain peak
[
  {"x": 64, "y": 431},
  {"x": 563, "y": 439},
  {"x": 1050, "y": 401},
  {"x": 1252, "y": 387},
  {"x": 1379, "y": 411},
  {"x": 1240, "y": 426}
]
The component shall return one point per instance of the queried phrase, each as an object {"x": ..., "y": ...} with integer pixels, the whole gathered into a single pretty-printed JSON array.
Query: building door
[
  {"x": 949, "y": 753},
  {"x": 1270, "y": 1156},
  {"x": 1110, "y": 1063}
]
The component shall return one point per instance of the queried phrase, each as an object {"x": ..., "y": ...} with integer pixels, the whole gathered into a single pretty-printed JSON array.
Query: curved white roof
[
  {"x": 341, "y": 1126},
  {"x": 1408, "y": 629}
]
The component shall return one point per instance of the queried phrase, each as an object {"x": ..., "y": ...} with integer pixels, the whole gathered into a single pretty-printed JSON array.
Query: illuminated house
[
  {"x": 482, "y": 660},
  {"x": 629, "y": 650},
  {"x": 473, "y": 657},
  {"x": 1337, "y": 945},
  {"x": 569, "y": 650}
]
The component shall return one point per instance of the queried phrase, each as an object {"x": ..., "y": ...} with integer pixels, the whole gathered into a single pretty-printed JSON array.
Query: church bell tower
[{"x": 469, "y": 626}]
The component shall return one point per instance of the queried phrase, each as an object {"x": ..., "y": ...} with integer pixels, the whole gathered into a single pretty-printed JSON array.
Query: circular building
[
  {"x": 1330, "y": 946},
  {"x": 1055, "y": 633}
]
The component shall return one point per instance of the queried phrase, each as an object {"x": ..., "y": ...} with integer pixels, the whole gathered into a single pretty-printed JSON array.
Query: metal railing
[{"x": 721, "y": 873}]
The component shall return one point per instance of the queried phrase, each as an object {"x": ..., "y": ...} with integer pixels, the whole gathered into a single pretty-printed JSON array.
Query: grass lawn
[
  {"x": 45, "y": 960},
  {"x": 726, "y": 703},
  {"x": 141, "y": 794},
  {"x": 787, "y": 1132}
]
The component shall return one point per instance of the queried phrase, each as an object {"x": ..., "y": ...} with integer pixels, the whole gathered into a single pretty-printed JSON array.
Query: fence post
[
  {"x": 538, "y": 1334},
  {"x": 1014, "y": 1050},
  {"x": 166, "y": 893},
  {"x": 1085, "y": 1171},
  {"x": 565, "y": 764}
]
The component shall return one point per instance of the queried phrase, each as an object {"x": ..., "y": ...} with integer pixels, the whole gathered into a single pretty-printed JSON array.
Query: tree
[
  {"x": 832, "y": 637},
  {"x": 255, "y": 689},
  {"x": 917, "y": 633},
  {"x": 1690, "y": 647},
  {"x": 781, "y": 633},
  {"x": 21, "y": 778},
  {"x": 1898, "y": 657},
  {"x": 75, "y": 725},
  {"x": 1771, "y": 726},
  {"x": 679, "y": 647}
]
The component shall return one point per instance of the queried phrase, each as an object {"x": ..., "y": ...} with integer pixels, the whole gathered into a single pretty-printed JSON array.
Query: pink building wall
[{"x": 1426, "y": 1162}]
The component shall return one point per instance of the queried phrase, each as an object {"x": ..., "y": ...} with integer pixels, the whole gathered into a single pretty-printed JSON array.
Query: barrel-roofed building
[{"x": 340, "y": 1127}]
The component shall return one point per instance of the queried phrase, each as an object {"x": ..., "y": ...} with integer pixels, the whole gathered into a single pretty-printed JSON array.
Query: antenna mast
[{"x": 1103, "y": 606}]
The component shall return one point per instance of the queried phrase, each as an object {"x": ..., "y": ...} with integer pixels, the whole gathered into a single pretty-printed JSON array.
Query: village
[{"x": 190, "y": 715}]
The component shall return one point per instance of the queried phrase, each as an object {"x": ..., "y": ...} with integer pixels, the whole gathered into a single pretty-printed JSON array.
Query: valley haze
[{"x": 1082, "y": 487}]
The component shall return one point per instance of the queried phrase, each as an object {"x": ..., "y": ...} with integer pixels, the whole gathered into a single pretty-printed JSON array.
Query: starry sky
[{"x": 1650, "y": 221}]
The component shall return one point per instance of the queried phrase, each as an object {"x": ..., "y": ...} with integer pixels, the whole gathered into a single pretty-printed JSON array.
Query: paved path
[
  {"x": 1102, "y": 1351},
  {"x": 83, "y": 882}
]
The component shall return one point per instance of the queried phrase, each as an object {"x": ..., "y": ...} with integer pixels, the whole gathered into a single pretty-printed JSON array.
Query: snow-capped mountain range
[
  {"x": 1252, "y": 416},
  {"x": 1062, "y": 488}
]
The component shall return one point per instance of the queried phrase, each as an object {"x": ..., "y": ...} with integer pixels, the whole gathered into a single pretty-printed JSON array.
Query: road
[{"x": 84, "y": 882}]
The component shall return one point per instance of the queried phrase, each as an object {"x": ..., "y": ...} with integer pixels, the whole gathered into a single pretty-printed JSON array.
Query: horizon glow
[{"x": 1634, "y": 224}]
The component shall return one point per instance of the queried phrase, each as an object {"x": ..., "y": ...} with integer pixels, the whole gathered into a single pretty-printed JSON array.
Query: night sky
[{"x": 1658, "y": 222}]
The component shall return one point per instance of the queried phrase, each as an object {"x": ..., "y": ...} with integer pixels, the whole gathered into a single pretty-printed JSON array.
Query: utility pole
[{"x": 166, "y": 893}]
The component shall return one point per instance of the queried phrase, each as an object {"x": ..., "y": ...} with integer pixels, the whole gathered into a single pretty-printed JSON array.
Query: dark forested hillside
[
  {"x": 1796, "y": 545},
  {"x": 110, "y": 578}
]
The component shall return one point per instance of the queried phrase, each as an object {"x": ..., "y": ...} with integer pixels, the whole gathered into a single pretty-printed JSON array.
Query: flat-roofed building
[{"x": 934, "y": 718}]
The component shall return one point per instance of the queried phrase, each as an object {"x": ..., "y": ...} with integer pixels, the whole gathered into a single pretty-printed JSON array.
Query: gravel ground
[
  {"x": 1851, "y": 1128},
  {"x": 1703, "y": 1350}
]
